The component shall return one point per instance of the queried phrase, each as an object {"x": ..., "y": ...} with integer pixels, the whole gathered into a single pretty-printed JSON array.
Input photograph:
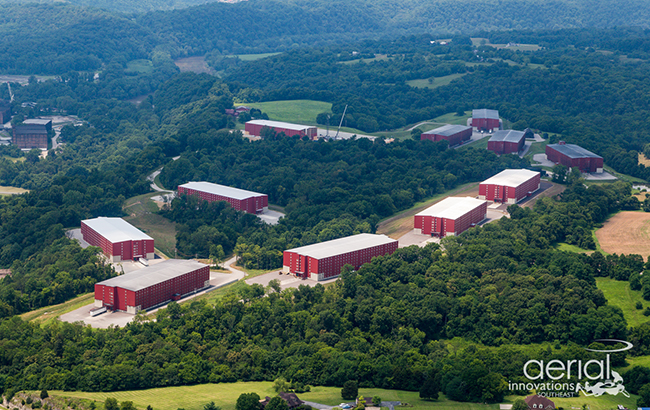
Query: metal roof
[
  {"x": 116, "y": 229},
  {"x": 279, "y": 124},
  {"x": 222, "y": 190},
  {"x": 485, "y": 113},
  {"x": 448, "y": 130},
  {"x": 37, "y": 121},
  {"x": 452, "y": 207},
  {"x": 508, "y": 136},
  {"x": 30, "y": 129},
  {"x": 153, "y": 275},
  {"x": 342, "y": 245},
  {"x": 511, "y": 177},
  {"x": 573, "y": 151}
]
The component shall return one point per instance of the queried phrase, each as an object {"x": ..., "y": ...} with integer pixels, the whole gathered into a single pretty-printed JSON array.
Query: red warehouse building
[
  {"x": 507, "y": 141},
  {"x": 152, "y": 286},
  {"x": 451, "y": 216},
  {"x": 32, "y": 133},
  {"x": 240, "y": 199},
  {"x": 324, "y": 260},
  {"x": 486, "y": 120},
  {"x": 571, "y": 155},
  {"x": 509, "y": 186},
  {"x": 118, "y": 239},
  {"x": 454, "y": 134},
  {"x": 255, "y": 128}
]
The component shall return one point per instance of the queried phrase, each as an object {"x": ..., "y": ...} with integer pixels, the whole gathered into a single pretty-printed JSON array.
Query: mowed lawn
[
  {"x": 141, "y": 210},
  {"x": 295, "y": 111},
  {"x": 618, "y": 293},
  {"x": 225, "y": 396},
  {"x": 435, "y": 83},
  {"x": 48, "y": 314}
]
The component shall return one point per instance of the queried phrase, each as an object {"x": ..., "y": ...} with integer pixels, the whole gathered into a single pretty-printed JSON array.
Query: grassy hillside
[
  {"x": 225, "y": 395},
  {"x": 296, "y": 111},
  {"x": 618, "y": 293}
]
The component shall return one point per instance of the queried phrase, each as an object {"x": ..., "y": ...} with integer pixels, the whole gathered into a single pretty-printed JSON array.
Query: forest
[
  {"x": 391, "y": 324},
  {"x": 72, "y": 35}
]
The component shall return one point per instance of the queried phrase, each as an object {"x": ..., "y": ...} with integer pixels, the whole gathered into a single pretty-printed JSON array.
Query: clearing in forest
[{"x": 626, "y": 232}]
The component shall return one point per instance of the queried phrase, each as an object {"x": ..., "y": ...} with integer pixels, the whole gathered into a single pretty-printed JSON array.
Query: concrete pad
[
  {"x": 286, "y": 280},
  {"x": 414, "y": 238},
  {"x": 76, "y": 235},
  {"x": 543, "y": 161},
  {"x": 270, "y": 217},
  {"x": 603, "y": 176}
]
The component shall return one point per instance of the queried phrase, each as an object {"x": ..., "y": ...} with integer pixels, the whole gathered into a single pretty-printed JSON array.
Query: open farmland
[{"x": 626, "y": 232}]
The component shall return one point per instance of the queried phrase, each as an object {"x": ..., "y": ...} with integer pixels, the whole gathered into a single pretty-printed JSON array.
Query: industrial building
[
  {"x": 509, "y": 186},
  {"x": 451, "y": 216},
  {"x": 152, "y": 286},
  {"x": 239, "y": 199},
  {"x": 486, "y": 120},
  {"x": 324, "y": 260},
  {"x": 571, "y": 155},
  {"x": 118, "y": 239},
  {"x": 255, "y": 127},
  {"x": 32, "y": 133},
  {"x": 507, "y": 142},
  {"x": 5, "y": 111},
  {"x": 454, "y": 134}
]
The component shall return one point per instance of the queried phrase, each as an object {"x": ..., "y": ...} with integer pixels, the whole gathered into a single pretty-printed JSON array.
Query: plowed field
[{"x": 626, "y": 232}]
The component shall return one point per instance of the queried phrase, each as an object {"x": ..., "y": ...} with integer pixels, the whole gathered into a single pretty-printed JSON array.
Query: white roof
[
  {"x": 154, "y": 274},
  {"x": 511, "y": 177},
  {"x": 222, "y": 190},
  {"x": 452, "y": 207},
  {"x": 116, "y": 229},
  {"x": 342, "y": 245},
  {"x": 279, "y": 124},
  {"x": 37, "y": 121}
]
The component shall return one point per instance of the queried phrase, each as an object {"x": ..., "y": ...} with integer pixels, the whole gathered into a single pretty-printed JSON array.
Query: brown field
[
  {"x": 626, "y": 232},
  {"x": 194, "y": 64},
  {"x": 643, "y": 160}
]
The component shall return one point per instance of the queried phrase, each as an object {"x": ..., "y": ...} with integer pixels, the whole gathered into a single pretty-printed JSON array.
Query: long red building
[
  {"x": 486, "y": 120},
  {"x": 454, "y": 134},
  {"x": 451, "y": 216},
  {"x": 255, "y": 127},
  {"x": 324, "y": 260},
  {"x": 152, "y": 286},
  {"x": 571, "y": 156},
  {"x": 509, "y": 186},
  {"x": 507, "y": 142},
  {"x": 240, "y": 199},
  {"x": 118, "y": 239}
]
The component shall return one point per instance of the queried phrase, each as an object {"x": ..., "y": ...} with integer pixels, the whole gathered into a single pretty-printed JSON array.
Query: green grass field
[
  {"x": 48, "y": 314},
  {"x": 253, "y": 57},
  {"x": 480, "y": 144},
  {"x": 452, "y": 118},
  {"x": 536, "y": 148},
  {"x": 437, "y": 82},
  {"x": 139, "y": 66},
  {"x": 142, "y": 213},
  {"x": 571, "y": 248},
  {"x": 378, "y": 57},
  {"x": 296, "y": 111},
  {"x": 225, "y": 395},
  {"x": 618, "y": 293}
]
